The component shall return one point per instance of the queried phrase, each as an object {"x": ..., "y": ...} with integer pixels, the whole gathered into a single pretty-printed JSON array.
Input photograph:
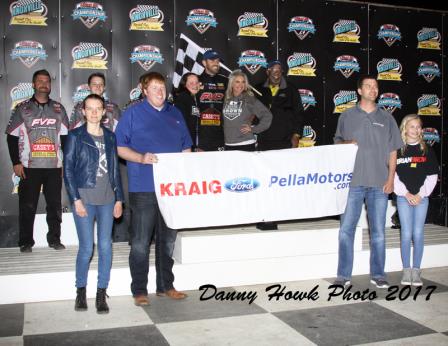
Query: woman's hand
[
  {"x": 245, "y": 129},
  {"x": 118, "y": 209},
  {"x": 413, "y": 199},
  {"x": 80, "y": 210}
]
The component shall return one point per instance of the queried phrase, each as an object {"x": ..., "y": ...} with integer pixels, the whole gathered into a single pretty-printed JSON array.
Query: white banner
[{"x": 226, "y": 188}]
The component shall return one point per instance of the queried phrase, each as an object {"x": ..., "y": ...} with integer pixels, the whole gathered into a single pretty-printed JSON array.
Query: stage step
[{"x": 223, "y": 257}]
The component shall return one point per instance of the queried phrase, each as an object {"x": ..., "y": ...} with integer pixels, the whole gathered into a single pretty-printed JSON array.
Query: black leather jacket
[{"x": 81, "y": 158}]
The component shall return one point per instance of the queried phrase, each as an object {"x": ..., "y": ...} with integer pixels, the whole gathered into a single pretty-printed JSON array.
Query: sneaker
[
  {"x": 380, "y": 283},
  {"x": 341, "y": 282},
  {"x": 416, "y": 280},
  {"x": 100, "y": 302},
  {"x": 81, "y": 299},
  {"x": 26, "y": 248},
  {"x": 57, "y": 246},
  {"x": 406, "y": 279}
]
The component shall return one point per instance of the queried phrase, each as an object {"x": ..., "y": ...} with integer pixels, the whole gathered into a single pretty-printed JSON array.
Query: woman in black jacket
[
  {"x": 93, "y": 183},
  {"x": 185, "y": 98}
]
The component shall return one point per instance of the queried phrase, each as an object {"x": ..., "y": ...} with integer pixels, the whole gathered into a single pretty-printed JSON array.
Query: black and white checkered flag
[{"x": 188, "y": 59}]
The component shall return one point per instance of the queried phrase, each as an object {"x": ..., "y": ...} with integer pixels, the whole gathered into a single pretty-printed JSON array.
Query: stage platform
[{"x": 222, "y": 257}]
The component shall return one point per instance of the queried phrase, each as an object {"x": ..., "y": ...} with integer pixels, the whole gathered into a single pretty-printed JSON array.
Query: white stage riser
[
  {"x": 197, "y": 247},
  {"x": 69, "y": 236},
  {"x": 60, "y": 285}
]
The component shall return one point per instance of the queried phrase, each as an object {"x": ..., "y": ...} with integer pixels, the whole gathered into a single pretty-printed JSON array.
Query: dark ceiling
[{"x": 428, "y": 4}]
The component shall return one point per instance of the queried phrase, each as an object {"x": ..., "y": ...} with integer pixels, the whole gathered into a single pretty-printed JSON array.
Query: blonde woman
[
  {"x": 239, "y": 111},
  {"x": 415, "y": 179}
]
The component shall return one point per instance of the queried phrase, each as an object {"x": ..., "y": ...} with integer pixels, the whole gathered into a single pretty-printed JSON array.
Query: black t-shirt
[{"x": 413, "y": 166}]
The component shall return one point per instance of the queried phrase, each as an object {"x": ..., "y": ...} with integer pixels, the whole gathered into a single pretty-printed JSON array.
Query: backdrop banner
[{"x": 226, "y": 188}]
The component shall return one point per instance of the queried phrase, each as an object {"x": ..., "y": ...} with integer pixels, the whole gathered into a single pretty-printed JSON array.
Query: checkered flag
[{"x": 189, "y": 59}]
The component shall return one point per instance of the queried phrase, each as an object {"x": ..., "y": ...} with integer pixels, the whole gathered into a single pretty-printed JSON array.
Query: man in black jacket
[
  {"x": 287, "y": 117},
  {"x": 211, "y": 99},
  {"x": 287, "y": 111}
]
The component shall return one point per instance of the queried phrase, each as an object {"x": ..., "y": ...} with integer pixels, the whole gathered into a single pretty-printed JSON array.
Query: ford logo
[{"x": 241, "y": 185}]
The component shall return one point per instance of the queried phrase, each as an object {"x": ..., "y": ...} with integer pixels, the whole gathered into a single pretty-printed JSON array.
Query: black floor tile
[
  {"x": 131, "y": 336},
  {"x": 164, "y": 310},
  {"x": 12, "y": 316},
  {"x": 351, "y": 324}
]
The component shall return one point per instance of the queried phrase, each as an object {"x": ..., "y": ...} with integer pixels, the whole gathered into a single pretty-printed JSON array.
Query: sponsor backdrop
[{"x": 322, "y": 55}]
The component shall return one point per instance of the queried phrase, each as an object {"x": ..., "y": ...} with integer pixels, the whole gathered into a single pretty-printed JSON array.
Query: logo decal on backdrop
[
  {"x": 28, "y": 52},
  {"x": 428, "y": 104},
  {"x": 80, "y": 93},
  {"x": 347, "y": 31},
  {"x": 146, "y": 56},
  {"x": 301, "y": 26},
  {"x": 135, "y": 93},
  {"x": 241, "y": 184},
  {"x": 389, "y": 69},
  {"x": 146, "y": 17},
  {"x": 307, "y": 98},
  {"x": 20, "y": 93},
  {"x": 301, "y": 64},
  {"x": 308, "y": 137},
  {"x": 90, "y": 13},
  {"x": 89, "y": 56},
  {"x": 343, "y": 100},
  {"x": 429, "y": 38},
  {"x": 201, "y": 19},
  {"x": 389, "y": 33},
  {"x": 428, "y": 70},
  {"x": 389, "y": 102},
  {"x": 431, "y": 135},
  {"x": 28, "y": 12},
  {"x": 252, "y": 24},
  {"x": 346, "y": 64},
  {"x": 252, "y": 60}
]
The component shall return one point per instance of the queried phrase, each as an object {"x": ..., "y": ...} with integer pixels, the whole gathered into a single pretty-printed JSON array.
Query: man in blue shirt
[{"x": 145, "y": 129}]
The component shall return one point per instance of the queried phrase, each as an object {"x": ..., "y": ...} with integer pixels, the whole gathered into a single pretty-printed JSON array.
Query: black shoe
[
  {"x": 57, "y": 246},
  {"x": 267, "y": 226},
  {"x": 81, "y": 299},
  {"x": 380, "y": 283},
  {"x": 100, "y": 303},
  {"x": 341, "y": 282},
  {"x": 26, "y": 248}
]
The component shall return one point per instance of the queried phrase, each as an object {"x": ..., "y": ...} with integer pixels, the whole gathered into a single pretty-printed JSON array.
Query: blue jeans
[
  {"x": 84, "y": 227},
  {"x": 412, "y": 220},
  {"x": 146, "y": 221},
  {"x": 376, "y": 201}
]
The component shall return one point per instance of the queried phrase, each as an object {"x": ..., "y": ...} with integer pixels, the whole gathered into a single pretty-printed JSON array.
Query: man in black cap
[
  {"x": 211, "y": 99},
  {"x": 287, "y": 116},
  {"x": 286, "y": 107}
]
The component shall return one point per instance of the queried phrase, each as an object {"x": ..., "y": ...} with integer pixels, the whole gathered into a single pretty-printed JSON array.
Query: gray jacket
[{"x": 241, "y": 110}]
